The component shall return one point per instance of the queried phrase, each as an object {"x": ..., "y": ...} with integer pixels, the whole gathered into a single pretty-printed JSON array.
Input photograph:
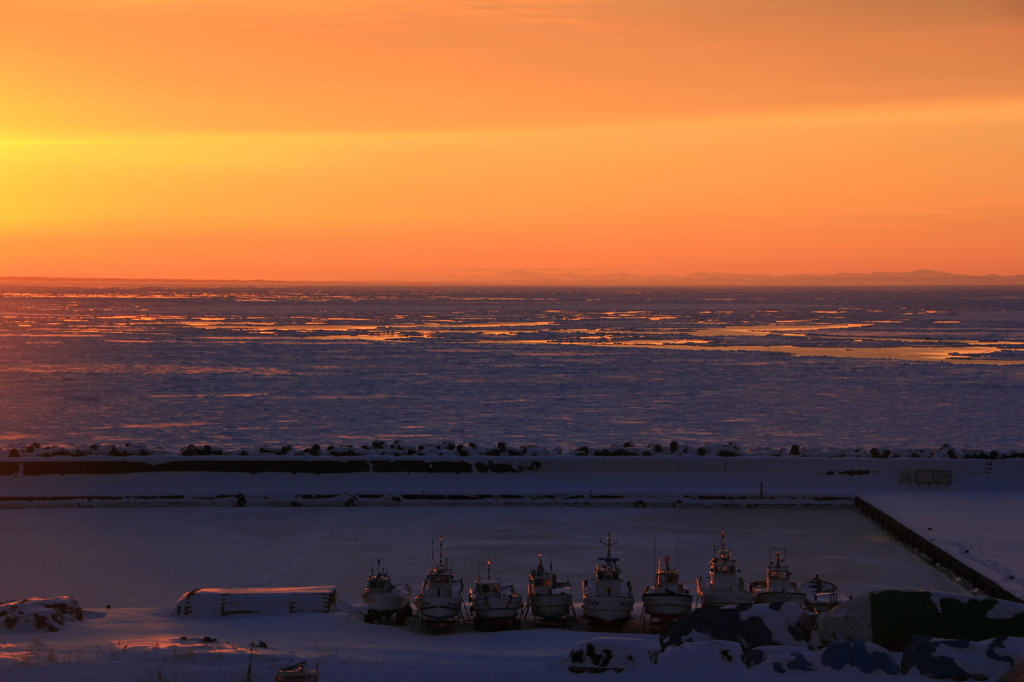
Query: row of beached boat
[{"x": 608, "y": 600}]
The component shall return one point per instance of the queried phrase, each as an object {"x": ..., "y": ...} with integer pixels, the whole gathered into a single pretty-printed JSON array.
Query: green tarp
[{"x": 892, "y": 617}]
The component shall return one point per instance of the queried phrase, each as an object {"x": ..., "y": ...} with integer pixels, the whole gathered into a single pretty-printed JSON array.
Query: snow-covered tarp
[
  {"x": 751, "y": 625},
  {"x": 892, "y": 617},
  {"x": 601, "y": 654},
  {"x": 256, "y": 601},
  {"x": 863, "y": 656},
  {"x": 700, "y": 660},
  {"x": 961, "y": 659},
  {"x": 782, "y": 659},
  {"x": 39, "y": 613}
]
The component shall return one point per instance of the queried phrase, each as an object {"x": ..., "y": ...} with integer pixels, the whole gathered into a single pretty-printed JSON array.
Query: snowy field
[{"x": 139, "y": 561}]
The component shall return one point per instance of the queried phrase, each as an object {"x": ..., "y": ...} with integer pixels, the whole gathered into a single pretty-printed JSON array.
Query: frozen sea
[{"x": 236, "y": 365}]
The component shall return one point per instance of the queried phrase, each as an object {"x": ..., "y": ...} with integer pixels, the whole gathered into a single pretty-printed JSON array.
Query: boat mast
[{"x": 608, "y": 543}]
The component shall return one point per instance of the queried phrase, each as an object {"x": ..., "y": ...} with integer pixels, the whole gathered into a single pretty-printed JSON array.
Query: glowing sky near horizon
[{"x": 405, "y": 139}]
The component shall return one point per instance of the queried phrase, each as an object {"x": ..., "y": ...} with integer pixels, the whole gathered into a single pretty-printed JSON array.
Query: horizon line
[{"x": 505, "y": 277}]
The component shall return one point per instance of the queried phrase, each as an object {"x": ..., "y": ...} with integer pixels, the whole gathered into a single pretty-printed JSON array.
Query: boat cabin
[
  {"x": 666, "y": 575},
  {"x": 438, "y": 584},
  {"x": 608, "y": 571},
  {"x": 778, "y": 570}
]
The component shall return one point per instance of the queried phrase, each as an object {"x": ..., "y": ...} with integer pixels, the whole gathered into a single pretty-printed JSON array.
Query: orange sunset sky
[{"x": 406, "y": 139}]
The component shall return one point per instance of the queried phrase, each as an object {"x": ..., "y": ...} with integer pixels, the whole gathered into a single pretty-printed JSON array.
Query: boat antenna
[
  {"x": 608, "y": 543},
  {"x": 488, "y": 569},
  {"x": 385, "y": 557}
]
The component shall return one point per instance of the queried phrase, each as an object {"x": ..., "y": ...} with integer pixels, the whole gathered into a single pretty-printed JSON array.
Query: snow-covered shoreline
[
  {"x": 665, "y": 480},
  {"x": 403, "y": 448}
]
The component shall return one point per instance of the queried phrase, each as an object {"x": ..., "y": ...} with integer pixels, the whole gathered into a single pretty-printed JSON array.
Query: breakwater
[{"x": 937, "y": 555}]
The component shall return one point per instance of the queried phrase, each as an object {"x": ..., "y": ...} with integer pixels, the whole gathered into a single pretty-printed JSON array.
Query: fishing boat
[
  {"x": 822, "y": 595},
  {"x": 607, "y": 599},
  {"x": 494, "y": 606},
  {"x": 667, "y": 599},
  {"x": 548, "y": 599},
  {"x": 724, "y": 587},
  {"x": 440, "y": 597},
  {"x": 776, "y": 587},
  {"x": 385, "y": 601}
]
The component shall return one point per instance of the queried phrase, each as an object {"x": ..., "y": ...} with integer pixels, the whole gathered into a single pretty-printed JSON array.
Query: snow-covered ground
[
  {"x": 139, "y": 561},
  {"x": 657, "y": 480}
]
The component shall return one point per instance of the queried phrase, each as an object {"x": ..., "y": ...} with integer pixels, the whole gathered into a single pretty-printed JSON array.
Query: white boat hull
[
  {"x": 728, "y": 597},
  {"x": 725, "y": 598},
  {"x": 386, "y": 602},
  {"x": 825, "y": 601},
  {"x": 714, "y": 597},
  {"x": 496, "y": 608},
  {"x": 608, "y": 610},
  {"x": 439, "y": 608},
  {"x": 774, "y": 597},
  {"x": 550, "y": 606},
  {"x": 667, "y": 606}
]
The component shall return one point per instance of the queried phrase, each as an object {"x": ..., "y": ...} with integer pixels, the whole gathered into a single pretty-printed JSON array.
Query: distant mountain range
[
  {"x": 717, "y": 279},
  {"x": 597, "y": 278}
]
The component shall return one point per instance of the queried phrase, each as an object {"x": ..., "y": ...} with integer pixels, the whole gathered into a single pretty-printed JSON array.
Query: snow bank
[
  {"x": 960, "y": 659},
  {"x": 601, "y": 654},
  {"x": 39, "y": 613},
  {"x": 863, "y": 656},
  {"x": 782, "y": 659},
  {"x": 751, "y": 625},
  {"x": 700, "y": 660}
]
